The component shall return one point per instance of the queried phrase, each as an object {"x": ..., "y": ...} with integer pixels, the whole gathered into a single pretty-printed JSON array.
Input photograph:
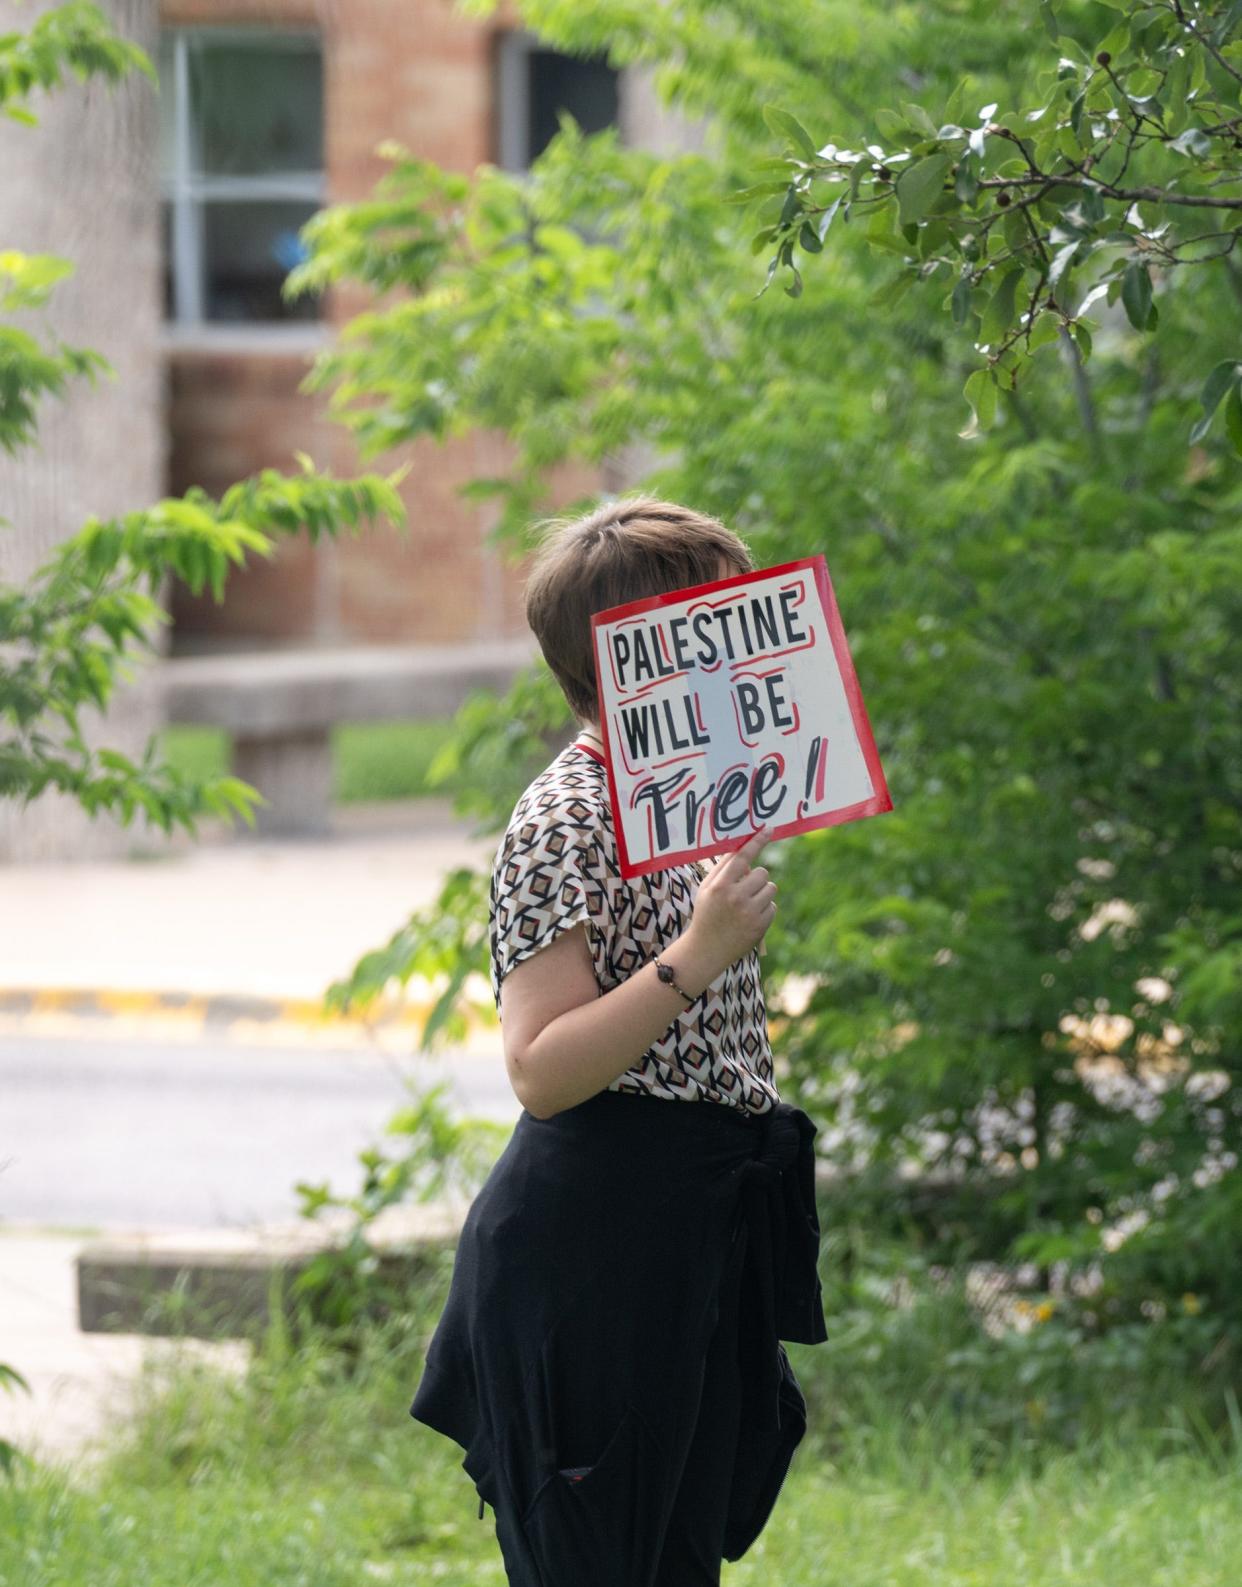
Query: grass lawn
[
  {"x": 372, "y": 760},
  {"x": 296, "y": 1477}
]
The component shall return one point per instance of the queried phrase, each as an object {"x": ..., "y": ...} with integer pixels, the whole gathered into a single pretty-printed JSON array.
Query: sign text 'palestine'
[{"x": 730, "y": 706}]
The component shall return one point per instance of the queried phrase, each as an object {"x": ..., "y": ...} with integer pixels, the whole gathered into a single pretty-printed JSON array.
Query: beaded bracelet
[{"x": 668, "y": 975}]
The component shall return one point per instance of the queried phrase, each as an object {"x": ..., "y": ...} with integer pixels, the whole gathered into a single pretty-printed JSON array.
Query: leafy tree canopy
[{"x": 1113, "y": 164}]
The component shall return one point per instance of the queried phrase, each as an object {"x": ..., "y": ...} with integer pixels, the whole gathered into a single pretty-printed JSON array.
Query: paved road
[{"x": 109, "y": 1134}]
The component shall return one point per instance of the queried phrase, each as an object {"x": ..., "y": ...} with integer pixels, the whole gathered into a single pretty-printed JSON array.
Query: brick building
[
  {"x": 180, "y": 213},
  {"x": 271, "y": 108}
]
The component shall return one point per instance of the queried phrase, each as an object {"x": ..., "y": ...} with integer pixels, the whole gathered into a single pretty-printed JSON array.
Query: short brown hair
[{"x": 623, "y": 551}]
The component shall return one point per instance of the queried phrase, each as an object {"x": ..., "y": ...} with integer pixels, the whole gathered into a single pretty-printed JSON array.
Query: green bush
[{"x": 988, "y": 1360}]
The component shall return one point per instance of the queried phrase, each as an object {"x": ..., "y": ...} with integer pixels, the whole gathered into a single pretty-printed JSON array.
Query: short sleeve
[{"x": 546, "y": 878}]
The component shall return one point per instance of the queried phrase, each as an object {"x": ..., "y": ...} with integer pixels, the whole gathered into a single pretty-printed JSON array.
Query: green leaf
[
  {"x": 955, "y": 104},
  {"x": 1050, "y": 18},
  {"x": 1233, "y": 418},
  {"x": 980, "y": 392},
  {"x": 1046, "y": 329},
  {"x": 809, "y": 237},
  {"x": 1114, "y": 43},
  {"x": 919, "y": 186},
  {"x": 1060, "y": 262},
  {"x": 998, "y": 316},
  {"x": 1136, "y": 294},
  {"x": 1143, "y": 83},
  {"x": 826, "y": 219},
  {"x": 747, "y": 195},
  {"x": 11, "y": 1379},
  {"x": 1194, "y": 141},
  {"x": 788, "y": 126},
  {"x": 1176, "y": 82},
  {"x": 1215, "y": 386},
  {"x": 918, "y": 118},
  {"x": 880, "y": 233}
]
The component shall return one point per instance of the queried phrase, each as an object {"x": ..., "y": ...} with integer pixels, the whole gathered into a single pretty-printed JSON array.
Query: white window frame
[
  {"x": 187, "y": 190},
  {"x": 515, "y": 46}
]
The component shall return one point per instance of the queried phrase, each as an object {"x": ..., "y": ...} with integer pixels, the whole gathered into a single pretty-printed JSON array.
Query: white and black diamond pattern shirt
[{"x": 557, "y": 865}]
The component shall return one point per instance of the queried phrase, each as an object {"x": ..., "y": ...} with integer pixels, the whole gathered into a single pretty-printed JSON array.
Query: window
[
  {"x": 535, "y": 84},
  {"x": 242, "y": 170}
]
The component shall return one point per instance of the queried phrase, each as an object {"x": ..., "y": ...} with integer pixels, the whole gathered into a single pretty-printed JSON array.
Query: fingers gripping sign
[
  {"x": 736, "y": 902},
  {"x": 756, "y": 878}
]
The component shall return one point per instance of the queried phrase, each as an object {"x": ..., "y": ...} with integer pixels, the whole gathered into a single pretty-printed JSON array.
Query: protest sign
[{"x": 729, "y": 706}]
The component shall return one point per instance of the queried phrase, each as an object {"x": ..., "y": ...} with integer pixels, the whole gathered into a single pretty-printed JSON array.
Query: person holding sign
[{"x": 609, "y": 1356}]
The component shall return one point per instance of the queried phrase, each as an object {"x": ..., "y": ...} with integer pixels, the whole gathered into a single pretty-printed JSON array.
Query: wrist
[{"x": 695, "y": 968}]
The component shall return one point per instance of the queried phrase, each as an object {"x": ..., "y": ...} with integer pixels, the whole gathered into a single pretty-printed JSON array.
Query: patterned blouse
[{"x": 556, "y": 865}]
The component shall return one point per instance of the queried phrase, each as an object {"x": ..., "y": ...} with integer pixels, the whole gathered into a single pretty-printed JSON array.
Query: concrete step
[{"x": 222, "y": 1283}]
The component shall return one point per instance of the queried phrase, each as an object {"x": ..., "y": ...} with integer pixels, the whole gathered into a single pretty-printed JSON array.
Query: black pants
[
  {"x": 609, "y": 1355},
  {"x": 694, "y": 1542}
]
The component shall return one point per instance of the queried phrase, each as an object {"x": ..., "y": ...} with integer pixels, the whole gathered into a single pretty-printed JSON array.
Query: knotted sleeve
[{"x": 546, "y": 878}]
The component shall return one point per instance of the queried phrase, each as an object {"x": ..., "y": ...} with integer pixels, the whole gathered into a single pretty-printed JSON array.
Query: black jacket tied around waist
[{"x": 588, "y": 1278}]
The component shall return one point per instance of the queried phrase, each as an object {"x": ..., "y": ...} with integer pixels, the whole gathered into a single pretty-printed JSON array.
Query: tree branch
[
  {"x": 1136, "y": 195},
  {"x": 1082, "y": 391},
  {"x": 1203, "y": 39}
]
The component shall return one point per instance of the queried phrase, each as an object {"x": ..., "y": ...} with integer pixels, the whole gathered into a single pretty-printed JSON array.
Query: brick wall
[
  {"x": 230, "y": 414},
  {"x": 416, "y": 71}
]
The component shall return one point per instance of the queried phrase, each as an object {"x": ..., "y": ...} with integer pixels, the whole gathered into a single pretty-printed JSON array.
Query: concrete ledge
[
  {"x": 282, "y": 692},
  {"x": 280, "y": 707},
  {"x": 221, "y": 1283}
]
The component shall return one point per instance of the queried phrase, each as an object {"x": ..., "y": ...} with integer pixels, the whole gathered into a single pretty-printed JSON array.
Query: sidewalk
[
  {"x": 231, "y": 927},
  {"x": 233, "y": 937}
]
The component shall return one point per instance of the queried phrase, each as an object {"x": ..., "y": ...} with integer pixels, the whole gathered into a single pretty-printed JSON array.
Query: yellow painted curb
[{"x": 215, "y": 1010}]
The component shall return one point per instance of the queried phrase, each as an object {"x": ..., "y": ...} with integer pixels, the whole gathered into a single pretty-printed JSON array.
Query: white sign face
[{"x": 727, "y": 707}]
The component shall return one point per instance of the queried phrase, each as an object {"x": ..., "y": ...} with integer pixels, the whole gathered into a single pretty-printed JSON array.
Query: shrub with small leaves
[{"x": 1120, "y": 169}]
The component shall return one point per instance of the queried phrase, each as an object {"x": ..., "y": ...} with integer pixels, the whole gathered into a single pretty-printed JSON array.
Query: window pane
[
  {"x": 258, "y": 106},
  {"x": 250, "y": 249},
  {"x": 167, "y": 243},
  {"x": 168, "y": 108},
  {"x": 586, "y": 88}
]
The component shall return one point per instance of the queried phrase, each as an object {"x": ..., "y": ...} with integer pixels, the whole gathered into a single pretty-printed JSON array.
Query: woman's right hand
[{"x": 735, "y": 904}]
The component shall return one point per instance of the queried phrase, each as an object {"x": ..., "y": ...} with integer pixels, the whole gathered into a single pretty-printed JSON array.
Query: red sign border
[{"x": 879, "y": 802}]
